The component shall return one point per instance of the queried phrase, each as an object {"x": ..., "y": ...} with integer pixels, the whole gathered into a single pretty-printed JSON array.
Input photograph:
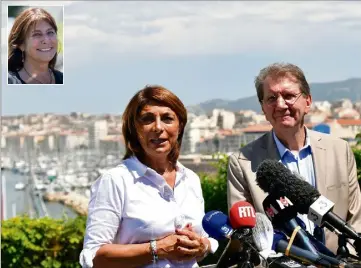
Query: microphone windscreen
[
  {"x": 242, "y": 215},
  {"x": 262, "y": 233},
  {"x": 266, "y": 173},
  {"x": 216, "y": 225},
  {"x": 274, "y": 178}
]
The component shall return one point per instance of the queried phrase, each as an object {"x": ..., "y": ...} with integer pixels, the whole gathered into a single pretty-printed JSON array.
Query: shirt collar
[
  {"x": 138, "y": 169},
  {"x": 283, "y": 149}
]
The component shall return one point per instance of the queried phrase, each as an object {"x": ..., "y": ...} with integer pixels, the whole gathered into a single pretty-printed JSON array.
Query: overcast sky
[{"x": 199, "y": 50}]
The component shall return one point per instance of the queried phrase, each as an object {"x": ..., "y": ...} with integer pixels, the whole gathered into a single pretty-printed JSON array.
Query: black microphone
[
  {"x": 320, "y": 246},
  {"x": 280, "y": 244},
  {"x": 282, "y": 214},
  {"x": 274, "y": 178},
  {"x": 267, "y": 240},
  {"x": 301, "y": 254}
]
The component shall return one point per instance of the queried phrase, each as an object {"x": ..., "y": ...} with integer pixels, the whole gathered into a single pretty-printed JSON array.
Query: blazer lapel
[
  {"x": 271, "y": 147},
  {"x": 319, "y": 155},
  {"x": 268, "y": 151}
]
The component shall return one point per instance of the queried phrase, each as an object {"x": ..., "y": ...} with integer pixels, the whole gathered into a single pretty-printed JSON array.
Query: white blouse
[{"x": 133, "y": 204}]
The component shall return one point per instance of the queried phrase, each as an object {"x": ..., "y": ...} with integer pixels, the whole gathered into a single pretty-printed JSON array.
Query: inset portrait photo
[{"x": 35, "y": 45}]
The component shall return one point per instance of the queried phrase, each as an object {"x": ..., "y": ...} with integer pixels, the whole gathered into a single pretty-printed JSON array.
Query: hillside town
[
  {"x": 62, "y": 155},
  {"x": 220, "y": 131}
]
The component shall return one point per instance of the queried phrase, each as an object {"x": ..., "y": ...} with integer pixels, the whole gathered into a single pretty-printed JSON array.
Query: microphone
[
  {"x": 320, "y": 246},
  {"x": 273, "y": 177},
  {"x": 242, "y": 216},
  {"x": 262, "y": 235},
  {"x": 282, "y": 214},
  {"x": 280, "y": 244},
  {"x": 216, "y": 224}
]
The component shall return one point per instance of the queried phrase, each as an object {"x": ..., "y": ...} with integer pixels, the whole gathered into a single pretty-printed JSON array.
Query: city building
[{"x": 97, "y": 130}]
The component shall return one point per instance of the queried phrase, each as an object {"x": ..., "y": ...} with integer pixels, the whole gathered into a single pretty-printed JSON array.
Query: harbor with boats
[
  {"x": 59, "y": 185},
  {"x": 51, "y": 186},
  {"x": 22, "y": 201}
]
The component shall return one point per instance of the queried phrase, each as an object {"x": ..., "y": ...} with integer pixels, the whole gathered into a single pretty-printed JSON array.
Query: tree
[{"x": 358, "y": 138}]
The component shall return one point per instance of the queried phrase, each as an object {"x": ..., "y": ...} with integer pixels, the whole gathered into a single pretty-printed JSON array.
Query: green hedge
[
  {"x": 44, "y": 242},
  {"x": 214, "y": 187},
  {"x": 54, "y": 243}
]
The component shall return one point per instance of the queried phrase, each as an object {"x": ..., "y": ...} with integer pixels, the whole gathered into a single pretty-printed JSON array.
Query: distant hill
[{"x": 330, "y": 91}]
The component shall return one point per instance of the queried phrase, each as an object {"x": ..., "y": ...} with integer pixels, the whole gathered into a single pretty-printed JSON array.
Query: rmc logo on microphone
[
  {"x": 283, "y": 202},
  {"x": 246, "y": 212}
]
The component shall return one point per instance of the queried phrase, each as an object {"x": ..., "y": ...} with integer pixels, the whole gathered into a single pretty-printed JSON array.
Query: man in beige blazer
[{"x": 323, "y": 160}]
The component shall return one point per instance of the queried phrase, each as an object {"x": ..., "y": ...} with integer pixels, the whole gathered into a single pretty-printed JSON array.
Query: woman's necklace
[{"x": 51, "y": 77}]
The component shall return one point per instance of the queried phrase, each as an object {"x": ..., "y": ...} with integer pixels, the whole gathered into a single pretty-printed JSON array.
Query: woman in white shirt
[{"x": 147, "y": 212}]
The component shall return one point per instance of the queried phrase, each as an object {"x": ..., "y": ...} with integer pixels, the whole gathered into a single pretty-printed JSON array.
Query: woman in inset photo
[{"x": 33, "y": 49}]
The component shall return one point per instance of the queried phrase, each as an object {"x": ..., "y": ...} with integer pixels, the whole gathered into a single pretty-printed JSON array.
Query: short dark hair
[
  {"x": 22, "y": 24},
  {"x": 151, "y": 94},
  {"x": 281, "y": 70}
]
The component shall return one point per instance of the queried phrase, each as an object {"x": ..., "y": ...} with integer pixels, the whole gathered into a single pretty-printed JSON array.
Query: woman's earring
[{"x": 22, "y": 56}]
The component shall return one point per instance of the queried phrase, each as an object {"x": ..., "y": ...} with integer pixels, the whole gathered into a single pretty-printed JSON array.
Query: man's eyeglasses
[{"x": 288, "y": 98}]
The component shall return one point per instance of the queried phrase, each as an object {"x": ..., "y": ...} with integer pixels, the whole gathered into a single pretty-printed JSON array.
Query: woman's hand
[
  {"x": 192, "y": 245},
  {"x": 168, "y": 247}
]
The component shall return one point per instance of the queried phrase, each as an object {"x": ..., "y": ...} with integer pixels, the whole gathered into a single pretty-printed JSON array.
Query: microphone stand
[
  {"x": 357, "y": 245},
  {"x": 246, "y": 257},
  {"x": 342, "y": 251}
]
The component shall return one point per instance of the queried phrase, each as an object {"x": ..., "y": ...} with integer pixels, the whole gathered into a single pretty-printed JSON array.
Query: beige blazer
[{"x": 335, "y": 171}]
